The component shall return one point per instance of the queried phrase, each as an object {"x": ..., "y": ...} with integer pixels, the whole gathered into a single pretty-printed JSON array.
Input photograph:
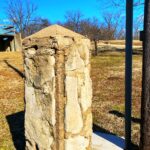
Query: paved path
[{"x": 101, "y": 141}]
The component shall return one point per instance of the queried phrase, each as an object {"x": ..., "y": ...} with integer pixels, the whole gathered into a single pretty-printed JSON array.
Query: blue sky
[{"x": 55, "y": 10}]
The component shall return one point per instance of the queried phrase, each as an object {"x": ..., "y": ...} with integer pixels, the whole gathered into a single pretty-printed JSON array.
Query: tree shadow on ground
[
  {"x": 113, "y": 138},
  {"x": 16, "y": 125},
  {"x": 121, "y": 115},
  {"x": 15, "y": 69}
]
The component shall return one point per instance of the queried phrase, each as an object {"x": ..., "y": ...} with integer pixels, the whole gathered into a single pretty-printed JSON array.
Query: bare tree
[
  {"x": 73, "y": 19},
  {"x": 119, "y": 8},
  {"x": 137, "y": 26},
  {"x": 120, "y": 3},
  {"x": 112, "y": 26},
  {"x": 36, "y": 25},
  {"x": 20, "y": 13},
  {"x": 91, "y": 29}
]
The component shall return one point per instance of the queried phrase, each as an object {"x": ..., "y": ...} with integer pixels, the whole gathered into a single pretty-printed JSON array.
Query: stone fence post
[
  {"x": 58, "y": 93},
  {"x": 18, "y": 42}
]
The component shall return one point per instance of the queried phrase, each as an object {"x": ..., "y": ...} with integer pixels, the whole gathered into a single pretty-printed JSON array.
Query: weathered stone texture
[
  {"x": 73, "y": 114},
  {"x": 39, "y": 98},
  {"x": 18, "y": 42},
  {"x": 78, "y": 87},
  {"x": 58, "y": 93},
  {"x": 77, "y": 143}
]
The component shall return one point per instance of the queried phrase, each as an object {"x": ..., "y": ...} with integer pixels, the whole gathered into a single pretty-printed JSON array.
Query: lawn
[
  {"x": 108, "y": 96},
  {"x": 11, "y": 99},
  {"x": 108, "y": 93}
]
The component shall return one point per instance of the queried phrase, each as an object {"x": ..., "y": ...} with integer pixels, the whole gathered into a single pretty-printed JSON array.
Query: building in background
[{"x": 9, "y": 39}]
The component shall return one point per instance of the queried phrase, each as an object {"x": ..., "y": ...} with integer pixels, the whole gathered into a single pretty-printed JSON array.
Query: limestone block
[
  {"x": 37, "y": 130},
  {"x": 73, "y": 115},
  {"x": 73, "y": 59},
  {"x": 30, "y": 70},
  {"x": 87, "y": 130},
  {"x": 86, "y": 91},
  {"x": 18, "y": 42},
  {"x": 59, "y": 42},
  {"x": 40, "y": 116},
  {"x": 76, "y": 143},
  {"x": 30, "y": 53},
  {"x": 45, "y": 65},
  {"x": 84, "y": 51}
]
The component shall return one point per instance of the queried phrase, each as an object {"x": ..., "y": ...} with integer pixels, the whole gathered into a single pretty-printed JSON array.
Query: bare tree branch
[
  {"x": 73, "y": 19},
  {"x": 20, "y": 13},
  {"x": 119, "y": 3}
]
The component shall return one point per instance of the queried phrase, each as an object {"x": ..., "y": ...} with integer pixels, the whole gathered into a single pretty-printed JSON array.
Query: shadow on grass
[
  {"x": 16, "y": 125},
  {"x": 15, "y": 69},
  {"x": 121, "y": 115},
  {"x": 97, "y": 128},
  {"x": 111, "y": 137}
]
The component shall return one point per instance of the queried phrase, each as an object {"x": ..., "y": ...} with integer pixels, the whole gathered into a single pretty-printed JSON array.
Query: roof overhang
[{"x": 6, "y": 35}]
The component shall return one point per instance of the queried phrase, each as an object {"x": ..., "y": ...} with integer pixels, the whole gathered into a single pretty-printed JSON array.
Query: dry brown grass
[
  {"x": 108, "y": 93},
  {"x": 121, "y": 42},
  {"x": 11, "y": 95}
]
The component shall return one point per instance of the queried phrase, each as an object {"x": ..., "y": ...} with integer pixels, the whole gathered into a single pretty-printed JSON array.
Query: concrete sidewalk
[{"x": 102, "y": 141}]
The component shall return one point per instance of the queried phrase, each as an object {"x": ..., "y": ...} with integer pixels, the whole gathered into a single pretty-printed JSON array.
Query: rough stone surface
[
  {"x": 55, "y": 30},
  {"x": 76, "y": 143},
  {"x": 73, "y": 114},
  {"x": 40, "y": 116},
  {"x": 18, "y": 42},
  {"x": 58, "y": 93}
]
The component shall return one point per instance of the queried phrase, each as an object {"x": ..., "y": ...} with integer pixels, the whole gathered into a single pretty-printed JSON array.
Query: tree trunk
[
  {"x": 96, "y": 48},
  {"x": 145, "y": 108}
]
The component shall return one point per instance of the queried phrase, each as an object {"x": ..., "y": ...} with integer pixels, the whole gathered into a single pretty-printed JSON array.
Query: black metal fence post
[{"x": 128, "y": 73}]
